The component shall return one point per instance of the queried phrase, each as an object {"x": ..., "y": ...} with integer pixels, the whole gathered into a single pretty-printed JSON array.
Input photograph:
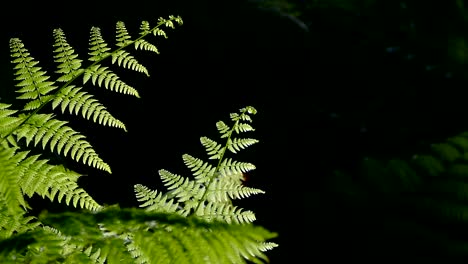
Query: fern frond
[
  {"x": 10, "y": 191},
  {"x": 202, "y": 171},
  {"x": 145, "y": 45},
  {"x": 102, "y": 76},
  {"x": 237, "y": 144},
  {"x": 154, "y": 201},
  {"x": 182, "y": 188},
  {"x": 37, "y": 176},
  {"x": 124, "y": 59},
  {"x": 224, "y": 212},
  {"x": 229, "y": 166},
  {"x": 162, "y": 238},
  {"x": 74, "y": 99},
  {"x": 221, "y": 191},
  {"x": 213, "y": 148},
  {"x": 8, "y": 122},
  {"x": 122, "y": 36},
  {"x": 98, "y": 49},
  {"x": 224, "y": 129},
  {"x": 34, "y": 84},
  {"x": 62, "y": 139},
  {"x": 69, "y": 64}
]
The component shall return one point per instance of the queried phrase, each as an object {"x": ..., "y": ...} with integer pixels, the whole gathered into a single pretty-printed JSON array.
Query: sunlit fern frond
[
  {"x": 209, "y": 195},
  {"x": 221, "y": 191},
  {"x": 180, "y": 187},
  {"x": 8, "y": 122},
  {"x": 33, "y": 82},
  {"x": 98, "y": 49},
  {"x": 154, "y": 200},
  {"x": 102, "y": 76},
  {"x": 78, "y": 101},
  {"x": 224, "y": 212},
  {"x": 201, "y": 170},
  {"x": 36, "y": 176},
  {"x": 10, "y": 191},
  {"x": 45, "y": 129},
  {"x": 69, "y": 65}
]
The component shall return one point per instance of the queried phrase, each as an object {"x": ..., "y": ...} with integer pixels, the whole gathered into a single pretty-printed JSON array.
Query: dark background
[{"x": 334, "y": 82}]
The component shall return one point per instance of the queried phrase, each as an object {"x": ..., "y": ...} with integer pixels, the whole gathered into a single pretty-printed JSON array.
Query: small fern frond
[
  {"x": 16, "y": 224},
  {"x": 229, "y": 166},
  {"x": 10, "y": 192},
  {"x": 74, "y": 99},
  {"x": 124, "y": 59},
  {"x": 145, "y": 45},
  {"x": 61, "y": 139},
  {"x": 34, "y": 84},
  {"x": 213, "y": 148},
  {"x": 37, "y": 176},
  {"x": 202, "y": 171},
  {"x": 8, "y": 122},
  {"x": 182, "y": 188},
  {"x": 102, "y": 76},
  {"x": 237, "y": 144},
  {"x": 69, "y": 65},
  {"x": 98, "y": 49},
  {"x": 154, "y": 201},
  {"x": 122, "y": 36},
  {"x": 224, "y": 212},
  {"x": 221, "y": 191}
]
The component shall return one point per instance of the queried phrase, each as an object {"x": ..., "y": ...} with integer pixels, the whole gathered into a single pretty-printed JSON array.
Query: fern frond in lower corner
[{"x": 139, "y": 236}]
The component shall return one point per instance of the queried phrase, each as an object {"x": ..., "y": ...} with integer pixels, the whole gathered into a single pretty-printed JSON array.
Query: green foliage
[
  {"x": 432, "y": 186},
  {"x": 195, "y": 221}
]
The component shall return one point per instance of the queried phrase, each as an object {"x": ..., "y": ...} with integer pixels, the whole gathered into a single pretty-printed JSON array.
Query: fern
[
  {"x": 210, "y": 193},
  {"x": 194, "y": 222},
  {"x": 432, "y": 183}
]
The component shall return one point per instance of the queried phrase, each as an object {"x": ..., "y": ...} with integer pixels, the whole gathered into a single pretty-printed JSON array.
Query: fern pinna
[{"x": 195, "y": 222}]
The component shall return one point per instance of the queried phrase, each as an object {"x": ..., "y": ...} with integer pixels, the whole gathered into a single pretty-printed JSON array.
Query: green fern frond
[
  {"x": 74, "y": 99},
  {"x": 145, "y": 45},
  {"x": 69, "y": 65},
  {"x": 446, "y": 152},
  {"x": 162, "y": 238},
  {"x": 16, "y": 224},
  {"x": 10, "y": 190},
  {"x": 154, "y": 201},
  {"x": 213, "y": 148},
  {"x": 182, "y": 188},
  {"x": 224, "y": 212},
  {"x": 98, "y": 49},
  {"x": 34, "y": 84},
  {"x": 8, "y": 122},
  {"x": 229, "y": 166},
  {"x": 62, "y": 139},
  {"x": 37, "y": 176},
  {"x": 102, "y": 76},
  {"x": 124, "y": 59},
  {"x": 209, "y": 195},
  {"x": 202, "y": 171},
  {"x": 238, "y": 144},
  {"x": 221, "y": 191},
  {"x": 122, "y": 36}
]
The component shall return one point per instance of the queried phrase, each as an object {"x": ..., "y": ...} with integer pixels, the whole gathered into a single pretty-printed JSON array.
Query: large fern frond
[{"x": 144, "y": 237}]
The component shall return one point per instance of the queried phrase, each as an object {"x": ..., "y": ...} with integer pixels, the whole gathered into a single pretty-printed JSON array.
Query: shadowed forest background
[{"x": 349, "y": 93}]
